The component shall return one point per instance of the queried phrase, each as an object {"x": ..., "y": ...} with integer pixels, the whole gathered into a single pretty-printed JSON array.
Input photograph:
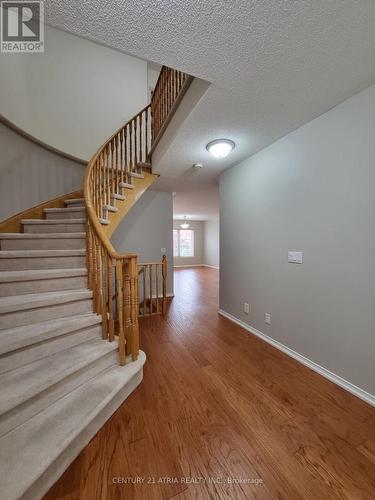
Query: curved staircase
[{"x": 69, "y": 309}]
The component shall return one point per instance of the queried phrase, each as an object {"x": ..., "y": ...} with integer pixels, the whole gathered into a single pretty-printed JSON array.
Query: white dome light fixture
[
  {"x": 185, "y": 224},
  {"x": 220, "y": 148}
]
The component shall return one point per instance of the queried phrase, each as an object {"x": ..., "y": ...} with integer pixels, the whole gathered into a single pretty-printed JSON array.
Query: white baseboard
[
  {"x": 169, "y": 295},
  {"x": 197, "y": 265},
  {"x": 190, "y": 265},
  {"x": 336, "y": 379}
]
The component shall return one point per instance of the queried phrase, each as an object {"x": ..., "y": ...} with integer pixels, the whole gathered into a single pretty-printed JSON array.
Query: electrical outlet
[
  {"x": 163, "y": 251},
  {"x": 246, "y": 308},
  {"x": 267, "y": 318}
]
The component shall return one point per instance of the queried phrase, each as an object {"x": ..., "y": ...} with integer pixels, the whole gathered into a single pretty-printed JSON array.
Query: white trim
[
  {"x": 212, "y": 267},
  {"x": 169, "y": 295},
  {"x": 191, "y": 265},
  {"x": 336, "y": 379}
]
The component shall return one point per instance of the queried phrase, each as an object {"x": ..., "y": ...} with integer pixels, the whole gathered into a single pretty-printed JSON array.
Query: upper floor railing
[
  {"x": 169, "y": 90},
  {"x": 114, "y": 277}
]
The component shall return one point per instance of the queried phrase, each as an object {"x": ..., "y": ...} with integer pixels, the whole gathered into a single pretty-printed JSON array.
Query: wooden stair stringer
[{"x": 131, "y": 197}]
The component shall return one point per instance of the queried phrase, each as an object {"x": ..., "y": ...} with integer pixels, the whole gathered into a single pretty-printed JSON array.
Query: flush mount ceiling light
[
  {"x": 185, "y": 225},
  {"x": 220, "y": 148}
]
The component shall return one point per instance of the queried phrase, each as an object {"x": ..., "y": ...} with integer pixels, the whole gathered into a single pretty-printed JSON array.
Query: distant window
[{"x": 183, "y": 242}]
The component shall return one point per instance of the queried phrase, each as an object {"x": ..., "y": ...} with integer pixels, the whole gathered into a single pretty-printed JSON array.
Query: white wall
[
  {"x": 197, "y": 260},
  {"x": 211, "y": 243},
  {"x": 29, "y": 174},
  {"x": 313, "y": 191},
  {"x": 146, "y": 229},
  {"x": 74, "y": 95}
]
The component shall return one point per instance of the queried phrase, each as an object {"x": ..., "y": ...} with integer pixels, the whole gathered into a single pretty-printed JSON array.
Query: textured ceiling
[{"x": 273, "y": 64}]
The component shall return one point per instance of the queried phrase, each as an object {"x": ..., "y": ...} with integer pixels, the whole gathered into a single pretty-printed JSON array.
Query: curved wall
[
  {"x": 74, "y": 95},
  {"x": 29, "y": 174}
]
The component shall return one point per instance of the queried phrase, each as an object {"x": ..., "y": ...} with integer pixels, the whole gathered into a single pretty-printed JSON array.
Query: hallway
[{"x": 221, "y": 414}]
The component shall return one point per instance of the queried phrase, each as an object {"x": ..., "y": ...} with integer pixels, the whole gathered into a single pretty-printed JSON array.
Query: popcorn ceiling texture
[{"x": 273, "y": 64}]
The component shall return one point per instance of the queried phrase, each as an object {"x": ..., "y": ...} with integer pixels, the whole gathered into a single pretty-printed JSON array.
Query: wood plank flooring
[{"x": 221, "y": 414}]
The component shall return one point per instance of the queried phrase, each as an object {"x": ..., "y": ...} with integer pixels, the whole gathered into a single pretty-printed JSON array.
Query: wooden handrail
[{"x": 113, "y": 276}]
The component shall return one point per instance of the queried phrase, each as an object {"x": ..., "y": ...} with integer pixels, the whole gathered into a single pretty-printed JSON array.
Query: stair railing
[
  {"x": 152, "y": 287},
  {"x": 169, "y": 90},
  {"x": 113, "y": 277}
]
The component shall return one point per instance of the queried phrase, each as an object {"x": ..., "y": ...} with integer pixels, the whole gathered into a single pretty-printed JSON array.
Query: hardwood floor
[{"x": 221, "y": 414}]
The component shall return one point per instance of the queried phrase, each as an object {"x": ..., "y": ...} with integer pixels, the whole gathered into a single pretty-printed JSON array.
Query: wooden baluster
[
  {"x": 96, "y": 187},
  {"x": 170, "y": 90},
  {"x": 99, "y": 275},
  {"x": 112, "y": 170},
  {"x": 111, "y": 322},
  {"x": 131, "y": 148},
  {"x": 134, "y": 308},
  {"x": 150, "y": 286},
  {"x": 116, "y": 141},
  {"x": 147, "y": 134},
  {"x": 164, "y": 275},
  {"x": 109, "y": 173},
  {"x": 94, "y": 199},
  {"x": 119, "y": 297},
  {"x": 172, "y": 86},
  {"x": 164, "y": 97},
  {"x": 104, "y": 187},
  {"x": 157, "y": 287},
  {"x": 158, "y": 112},
  {"x": 101, "y": 183},
  {"x": 95, "y": 278},
  {"x": 129, "y": 153},
  {"x": 121, "y": 156},
  {"x": 144, "y": 290},
  {"x": 127, "y": 306},
  {"x": 136, "y": 143},
  {"x": 140, "y": 138},
  {"x": 90, "y": 282},
  {"x": 126, "y": 154},
  {"x": 104, "y": 269},
  {"x": 160, "y": 102}
]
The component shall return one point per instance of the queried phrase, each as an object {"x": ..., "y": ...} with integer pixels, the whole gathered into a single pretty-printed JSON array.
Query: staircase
[
  {"x": 59, "y": 380},
  {"x": 69, "y": 307}
]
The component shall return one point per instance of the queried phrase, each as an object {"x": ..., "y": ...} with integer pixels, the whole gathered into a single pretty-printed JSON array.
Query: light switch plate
[{"x": 295, "y": 257}]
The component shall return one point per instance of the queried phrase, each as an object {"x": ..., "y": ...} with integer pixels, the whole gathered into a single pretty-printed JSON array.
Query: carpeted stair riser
[
  {"x": 25, "y": 407},
  {"x": 31, "y": 353},
  {"x": 55, "y": 226},
  {"x": 65, "y": 213},
  {"x": 43, "y": 285},
  {"x": 20, "y": 318},
  {"x": 72, "y": 241},
  {"x": 15, "y": 263}
]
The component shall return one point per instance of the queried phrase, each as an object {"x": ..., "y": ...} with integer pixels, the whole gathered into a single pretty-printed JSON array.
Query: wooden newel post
[
  {"x": 127, "y": 306},
  {"x": 164, "y": 275},
  {"x": 134, "y": 308},
  {"x": 120, "y": 315}
]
